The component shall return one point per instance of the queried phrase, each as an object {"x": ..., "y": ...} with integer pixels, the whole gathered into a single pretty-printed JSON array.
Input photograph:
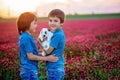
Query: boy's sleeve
[
  {"x": 28, "y": 46},
  {"x": 55, "y": 41}
]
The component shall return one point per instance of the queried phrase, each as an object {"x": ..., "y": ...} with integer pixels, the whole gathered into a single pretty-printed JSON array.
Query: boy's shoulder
[
  {"x": 25, "y": 37},
  {"x": 59, "y": 31},
  {"x": 59, "y": 35}
]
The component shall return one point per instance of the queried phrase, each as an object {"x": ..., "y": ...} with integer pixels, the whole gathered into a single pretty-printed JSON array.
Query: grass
[
  {"x": 93, "y": 16},
  {"x": 75, "y": 16}
]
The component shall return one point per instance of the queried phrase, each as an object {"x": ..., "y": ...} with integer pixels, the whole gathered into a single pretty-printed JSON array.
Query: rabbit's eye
[{"x": 45, "y": 32}]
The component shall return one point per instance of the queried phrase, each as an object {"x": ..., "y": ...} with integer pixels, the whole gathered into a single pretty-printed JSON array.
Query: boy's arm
[
  {"x": 49, "y": 50},
  {"x": 50, "y": 58}
]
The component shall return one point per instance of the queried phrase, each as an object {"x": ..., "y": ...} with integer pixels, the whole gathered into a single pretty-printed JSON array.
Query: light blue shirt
[
  {"x": 58, "y": 42},
  {"x": 26, "y": 45}
]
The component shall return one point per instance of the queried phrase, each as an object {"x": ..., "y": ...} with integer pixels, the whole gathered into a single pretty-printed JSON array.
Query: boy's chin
[
  {"x": 52, "y": 30},
  {"x": 33, "y": 31}
]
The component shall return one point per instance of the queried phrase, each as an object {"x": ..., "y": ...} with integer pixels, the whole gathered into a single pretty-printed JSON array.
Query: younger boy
[
  {"x": 27, "y": 24},
  {"x": 55, "y": 70}
]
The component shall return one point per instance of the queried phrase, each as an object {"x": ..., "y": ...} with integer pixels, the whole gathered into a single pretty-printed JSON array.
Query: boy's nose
[{"x": 52, "y": 22}]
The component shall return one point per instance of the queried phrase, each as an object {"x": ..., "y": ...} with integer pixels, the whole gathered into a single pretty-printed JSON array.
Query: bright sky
[{"x": 13, "y": 8}]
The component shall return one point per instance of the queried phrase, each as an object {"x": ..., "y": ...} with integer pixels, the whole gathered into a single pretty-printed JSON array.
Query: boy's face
[
  {"x": 54, "y": 23},
  {"x": 33, "y": 26}
]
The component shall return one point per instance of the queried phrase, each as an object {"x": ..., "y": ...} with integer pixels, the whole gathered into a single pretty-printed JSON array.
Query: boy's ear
[{"x": 61, "y": 24}]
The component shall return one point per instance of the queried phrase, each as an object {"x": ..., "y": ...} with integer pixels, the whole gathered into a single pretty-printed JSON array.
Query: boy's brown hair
[
  {"x": 24, "y": 21},
  {"x": 57, "y": 13}
]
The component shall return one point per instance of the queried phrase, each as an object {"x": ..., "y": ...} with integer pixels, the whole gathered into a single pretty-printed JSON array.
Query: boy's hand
[
  {"x": 40, "y": 52},
  {"x": 52, "y": 58},
  {"x": 40, "y": 42}
]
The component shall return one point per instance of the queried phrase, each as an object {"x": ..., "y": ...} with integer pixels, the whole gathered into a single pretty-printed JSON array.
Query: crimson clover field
[{"x": 92, "y": 50}]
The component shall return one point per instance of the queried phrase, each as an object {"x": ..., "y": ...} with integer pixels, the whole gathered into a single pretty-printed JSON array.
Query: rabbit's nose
[{"x": 43, "y": 35}]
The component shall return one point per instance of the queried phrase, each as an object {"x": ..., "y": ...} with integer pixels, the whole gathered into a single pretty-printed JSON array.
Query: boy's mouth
[
  {"x": 52, "y": 26},
  {"x": 52, "y": 29}
]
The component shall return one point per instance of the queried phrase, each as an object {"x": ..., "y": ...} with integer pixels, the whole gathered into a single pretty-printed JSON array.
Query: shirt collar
[
  {"x": 26, "y": 33},
  {"x": 59, "y": 29}
]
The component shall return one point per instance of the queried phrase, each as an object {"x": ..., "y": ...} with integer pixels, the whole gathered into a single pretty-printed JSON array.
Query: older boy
[{"x": 55, "y": 70}]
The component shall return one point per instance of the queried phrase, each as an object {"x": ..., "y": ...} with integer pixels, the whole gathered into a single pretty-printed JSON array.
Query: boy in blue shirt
[
  {"x": 27, "y": 24},
  {"x": 55, "y": 70}
]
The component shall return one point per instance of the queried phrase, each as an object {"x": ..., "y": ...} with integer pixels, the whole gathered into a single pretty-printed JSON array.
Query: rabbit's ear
[
  {"x": 42, "y": 30},
  {"x": 41, "y": 35}
]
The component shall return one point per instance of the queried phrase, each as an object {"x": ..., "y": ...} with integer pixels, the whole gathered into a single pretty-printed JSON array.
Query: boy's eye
[
  {"x": 35, "y": 22},
  {"x": 50, "y": 20},
  {"x": 56, "y": 20}
]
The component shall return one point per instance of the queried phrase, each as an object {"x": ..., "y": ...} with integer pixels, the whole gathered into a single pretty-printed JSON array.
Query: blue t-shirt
[
  {"x": 27, "y": 44},
  {"x": 58, "y": 42}
]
